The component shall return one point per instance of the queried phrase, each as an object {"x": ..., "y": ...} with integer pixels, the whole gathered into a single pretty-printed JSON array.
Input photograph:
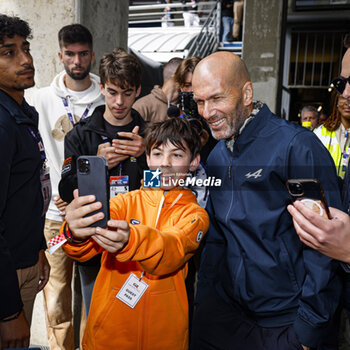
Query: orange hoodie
[{"x": 165, "y": 231}]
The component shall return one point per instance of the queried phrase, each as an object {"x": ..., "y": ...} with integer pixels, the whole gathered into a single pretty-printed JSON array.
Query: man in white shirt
[{"x": 73, "y": 95}]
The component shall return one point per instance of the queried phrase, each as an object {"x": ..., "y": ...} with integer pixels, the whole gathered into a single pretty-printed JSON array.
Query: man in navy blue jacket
[
  {"x": 23, "y": 267},
  {"x": 259, "y": 287}
]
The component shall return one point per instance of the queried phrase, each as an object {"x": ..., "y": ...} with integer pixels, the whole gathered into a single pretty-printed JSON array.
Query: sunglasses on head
[{"x": 340, "y": 83}]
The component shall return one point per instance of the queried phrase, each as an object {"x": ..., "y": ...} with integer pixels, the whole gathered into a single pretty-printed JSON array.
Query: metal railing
[
  {"x": 156, "y": 14},
  {"x": 167, "y": 15},
  {"x": 208, "y": 39}
]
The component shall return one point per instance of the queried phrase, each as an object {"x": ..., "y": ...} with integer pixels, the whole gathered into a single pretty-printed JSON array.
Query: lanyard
[
  {"x": 346, "y": 153},
  {"x": 39, "y": 141},
  {"x": 69, "y": 111}
]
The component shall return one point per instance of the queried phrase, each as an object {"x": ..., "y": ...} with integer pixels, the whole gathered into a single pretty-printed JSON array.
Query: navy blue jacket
[
  {"x": 252, "y": 253},
  {"x": 21, "y": 202}
]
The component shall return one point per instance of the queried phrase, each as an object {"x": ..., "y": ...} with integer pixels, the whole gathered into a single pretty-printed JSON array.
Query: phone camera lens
[
  {"x": 84, "y": 166},
  {"x": 296, "y": 189}
]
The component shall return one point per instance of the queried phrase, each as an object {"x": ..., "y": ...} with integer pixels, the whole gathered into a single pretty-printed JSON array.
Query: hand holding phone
[
  {"x": 78, "y": 222},
  {"x": 129, "y": 143},
  {"x": 115, "y": 237},
  {"x": 123, "y": 136},
  {"x": 310, "y": 193},
  {"x": 109, "y": 153}
]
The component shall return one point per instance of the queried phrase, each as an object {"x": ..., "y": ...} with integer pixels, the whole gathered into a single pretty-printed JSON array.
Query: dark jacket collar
[
  {"x": 96, "y": 121},
  {"x": 252, "y": 130},
  {"x": 22, "y": 113}
]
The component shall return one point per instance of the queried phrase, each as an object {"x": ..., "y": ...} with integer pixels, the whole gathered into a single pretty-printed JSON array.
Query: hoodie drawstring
[{"x": 159, "y": 209}]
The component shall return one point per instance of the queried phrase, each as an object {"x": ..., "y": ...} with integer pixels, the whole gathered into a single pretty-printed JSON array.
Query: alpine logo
[{"x": 256, "y": 174}]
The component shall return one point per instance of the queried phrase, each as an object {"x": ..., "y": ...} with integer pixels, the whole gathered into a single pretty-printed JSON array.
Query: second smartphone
[{"x": 310, "y": 192}]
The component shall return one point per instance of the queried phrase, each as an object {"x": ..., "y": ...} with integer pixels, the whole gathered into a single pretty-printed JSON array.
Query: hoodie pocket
[
  {"x": 166, "y": 319},
  {"x": 114, "y": 327},
  {"x": 106, "y": 309}
]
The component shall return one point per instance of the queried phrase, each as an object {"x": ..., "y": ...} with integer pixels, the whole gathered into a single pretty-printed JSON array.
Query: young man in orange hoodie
[{"x": 139, "y": 299}]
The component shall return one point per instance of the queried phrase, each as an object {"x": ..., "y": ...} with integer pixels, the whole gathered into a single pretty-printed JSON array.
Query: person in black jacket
[
  {"x": 113, "y": 131},
  {"x": 23, "y": 185}
]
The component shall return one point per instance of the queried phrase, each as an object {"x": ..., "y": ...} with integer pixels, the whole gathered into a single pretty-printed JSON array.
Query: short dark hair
[
  {"x": 122, "y": 67},
  {"x": 187, "y": 65},
  {"x": 177, "y": 130},
  {"x": 73, "y": 34},
  {"x": 170, "y": 67},
  {"x": 347, "y": 41},
  {"x": 10, "y": 26}
]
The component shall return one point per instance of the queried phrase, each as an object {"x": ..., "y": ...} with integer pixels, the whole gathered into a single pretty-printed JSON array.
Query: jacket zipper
[
  {"x": 142, "y": 332},
  {"x": 230, "y": 177},
  {"x": 142, "y": 328}
]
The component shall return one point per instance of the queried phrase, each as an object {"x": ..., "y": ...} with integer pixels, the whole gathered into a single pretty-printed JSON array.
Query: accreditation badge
[
  {"x": 132, "y": 290},
  {"x": 45, "y": 188},
  {"x": 118, "y": 184}
]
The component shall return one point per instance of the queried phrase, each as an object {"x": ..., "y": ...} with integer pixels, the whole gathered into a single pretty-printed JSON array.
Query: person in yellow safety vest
[
  {"x": 335, "y": 134},
  {"x": 309, "y": 117}
]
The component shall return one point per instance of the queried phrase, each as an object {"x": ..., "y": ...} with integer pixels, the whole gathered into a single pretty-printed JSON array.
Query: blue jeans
[{"x": 227, "y": 25}]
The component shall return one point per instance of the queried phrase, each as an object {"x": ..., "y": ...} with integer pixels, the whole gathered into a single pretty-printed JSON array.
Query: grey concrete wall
[
  {"x": 106, "y": 19},
  {"x": 45, "y": 17},
  {"x": 108, "y": 22},
  {"x": 264, "y": 22}
]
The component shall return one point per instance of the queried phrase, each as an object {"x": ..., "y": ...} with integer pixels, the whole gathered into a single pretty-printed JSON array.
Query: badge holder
[{"x": 132, "y": 290}]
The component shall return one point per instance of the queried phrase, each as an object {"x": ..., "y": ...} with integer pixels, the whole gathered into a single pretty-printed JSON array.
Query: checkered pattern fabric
[{"x": 56, "y": 242}]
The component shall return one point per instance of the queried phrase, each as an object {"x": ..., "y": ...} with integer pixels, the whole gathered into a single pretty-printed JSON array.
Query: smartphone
[
  {"x": 122, "y": 137},
  {"x": 92, "y": 173},
  {"x": 310, "y": 193}
]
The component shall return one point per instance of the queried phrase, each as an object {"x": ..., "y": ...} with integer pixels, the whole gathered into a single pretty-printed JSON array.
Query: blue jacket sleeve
[
  {"x": 321, "y": 289},
  {"x": 10, "y": 298},
  {"x": 212, "y": 256}
]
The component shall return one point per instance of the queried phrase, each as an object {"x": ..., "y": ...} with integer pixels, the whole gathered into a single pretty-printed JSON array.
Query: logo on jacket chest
[
  {"x": 255, "y": 174},
  {"x": 135, "y": 222}
]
